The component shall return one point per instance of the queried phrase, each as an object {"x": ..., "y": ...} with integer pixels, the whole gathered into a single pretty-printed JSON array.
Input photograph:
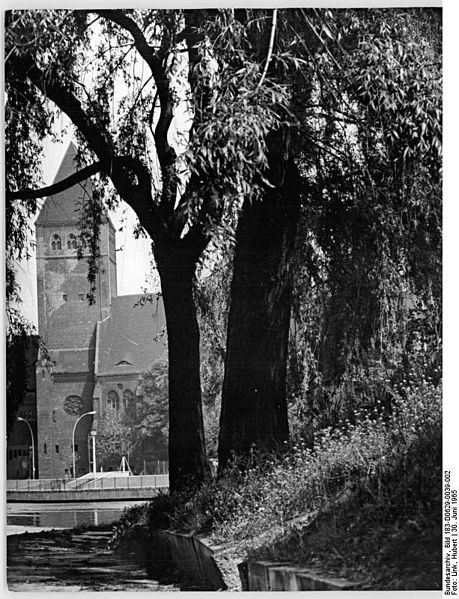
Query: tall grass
[
  {"x": 271, "y": 491},
  {"x": 384, "y": 470}
]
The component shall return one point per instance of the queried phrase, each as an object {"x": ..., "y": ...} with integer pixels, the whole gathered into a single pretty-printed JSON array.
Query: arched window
[
  {"x": 56, "y": 242},
  {"x": 113, "y": 401},
  {"x": 71, "y": 242},
  {"x": 129, "y": 404}
]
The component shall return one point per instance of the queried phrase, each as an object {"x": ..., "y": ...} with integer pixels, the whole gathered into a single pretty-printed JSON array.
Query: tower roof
[{"x": 64, "y": 207}]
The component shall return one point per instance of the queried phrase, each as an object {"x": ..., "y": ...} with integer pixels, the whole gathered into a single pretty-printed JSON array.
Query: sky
[{"x": 134, "y": 257}]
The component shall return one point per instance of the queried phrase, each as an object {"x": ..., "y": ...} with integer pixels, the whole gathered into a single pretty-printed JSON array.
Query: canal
[{"x": 64, "y": 515}]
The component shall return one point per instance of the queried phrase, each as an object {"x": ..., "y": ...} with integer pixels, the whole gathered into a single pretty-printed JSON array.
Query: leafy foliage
[
  {"x": 212, "y": 296},
  {"x": 114, "y": 439},
  {"x": 21, "y": 354},
  {"x": 359, "y": 92},
  {"x": 29, "y": 119},
  {"x": 152, "y": 419},
  {"x": 369, "y": 283}
]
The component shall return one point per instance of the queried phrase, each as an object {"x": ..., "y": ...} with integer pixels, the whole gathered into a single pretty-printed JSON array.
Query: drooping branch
[
  {"x": 166, "y": 154},
  {"x": 53, "y": 89}
]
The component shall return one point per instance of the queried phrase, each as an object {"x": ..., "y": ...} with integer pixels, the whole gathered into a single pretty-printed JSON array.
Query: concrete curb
[
  {"x": 192, "y": 555},
  {"x": 195, "y": 556},
  {"x": 215, "y": 569},
  {"x": 271, "y": 576}
]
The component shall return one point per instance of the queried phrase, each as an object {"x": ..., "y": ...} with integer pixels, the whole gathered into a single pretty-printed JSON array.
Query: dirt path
[{"x": 72, "y": 560}]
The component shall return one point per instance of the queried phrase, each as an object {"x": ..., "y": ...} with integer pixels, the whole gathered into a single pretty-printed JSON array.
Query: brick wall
[
  {"x": 67, "y": 324},
  {"x": 64, "y": 314},
  {"x": 55, "y": 423}
]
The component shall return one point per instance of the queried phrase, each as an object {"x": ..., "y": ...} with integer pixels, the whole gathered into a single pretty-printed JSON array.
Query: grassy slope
[
  {"x": 372, "y": 491},
  {"x": 386, "y": 531}
]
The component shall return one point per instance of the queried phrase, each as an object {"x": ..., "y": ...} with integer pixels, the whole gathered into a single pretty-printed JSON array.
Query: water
[{"x": 65, "y": 515}]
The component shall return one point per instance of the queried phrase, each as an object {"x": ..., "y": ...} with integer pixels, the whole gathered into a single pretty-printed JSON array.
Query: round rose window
[{"x": 73, "y": 405}]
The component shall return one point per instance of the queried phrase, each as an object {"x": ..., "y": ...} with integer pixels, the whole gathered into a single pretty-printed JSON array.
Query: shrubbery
[{"x": 377, "y": 481}]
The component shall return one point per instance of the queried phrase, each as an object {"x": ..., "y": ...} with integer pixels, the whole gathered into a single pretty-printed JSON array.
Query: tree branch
[
  {"x": 139, "y": 197},
  {"x": 53, "y": 89},
  {"x": 270, "y": 48},
  {"x": 118, "y": 162},
  {"x": 166, "y": 154},
  {"x": 32, "y": 194}
]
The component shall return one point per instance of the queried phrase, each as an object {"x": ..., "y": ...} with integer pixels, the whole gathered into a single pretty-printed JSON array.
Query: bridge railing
[{"x": 150, "y": 481}]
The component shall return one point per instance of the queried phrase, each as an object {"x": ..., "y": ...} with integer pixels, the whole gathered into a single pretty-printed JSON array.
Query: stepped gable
[{"x": 133, "y": 337}]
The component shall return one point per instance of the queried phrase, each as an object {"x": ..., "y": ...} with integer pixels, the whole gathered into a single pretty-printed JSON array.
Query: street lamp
[
  {"x": 33, "y": 445},
  {"x": 93, "y": 435},
  {"x": 73, "y": 437}
]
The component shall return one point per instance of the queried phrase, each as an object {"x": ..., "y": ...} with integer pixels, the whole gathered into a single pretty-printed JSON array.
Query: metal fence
[{"x": 149, "y": 481}]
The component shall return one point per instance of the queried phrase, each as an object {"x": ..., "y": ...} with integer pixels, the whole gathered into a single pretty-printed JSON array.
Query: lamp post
[
  {"x": 33, "y": 445},
  {"x": 93, "y": 435},
  {"x": 73, "y": 437}
]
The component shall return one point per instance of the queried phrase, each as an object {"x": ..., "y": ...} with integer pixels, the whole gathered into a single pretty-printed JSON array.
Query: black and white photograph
[{"x": 224, "y": 299}]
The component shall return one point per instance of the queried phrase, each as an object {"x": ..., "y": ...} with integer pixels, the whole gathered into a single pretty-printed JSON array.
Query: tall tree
[
  {"x": 366, "y": 103},
  {"x": 51, "y": 65},
  {"x": 254, "y": 405}
]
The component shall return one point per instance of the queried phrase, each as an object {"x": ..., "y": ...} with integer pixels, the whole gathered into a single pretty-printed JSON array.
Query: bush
[
  {"x": 379, "y": 479},
  {"x": 272, "y": 491}
]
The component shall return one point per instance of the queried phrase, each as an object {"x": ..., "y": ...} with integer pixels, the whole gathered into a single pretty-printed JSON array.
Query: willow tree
[
  {"x": 363, "y": 153},
  {"x": 120, "y": 76},
  {"x": 316, "y": 94},
  {"x": 368, "y": 277}
]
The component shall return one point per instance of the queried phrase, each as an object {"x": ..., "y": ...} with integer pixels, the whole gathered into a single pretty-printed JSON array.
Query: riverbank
[
  {"x": 78, "y": 560},
  {"x": 16, "y": 529}
]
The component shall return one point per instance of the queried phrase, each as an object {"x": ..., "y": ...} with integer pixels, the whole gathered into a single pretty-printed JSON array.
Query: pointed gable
[{"x": 63, "y": 207}]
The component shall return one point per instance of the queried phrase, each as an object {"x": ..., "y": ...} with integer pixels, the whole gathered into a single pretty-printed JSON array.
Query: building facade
[
  {"x": 19, "y": 448},
  {"x": 96, "y": 354}
]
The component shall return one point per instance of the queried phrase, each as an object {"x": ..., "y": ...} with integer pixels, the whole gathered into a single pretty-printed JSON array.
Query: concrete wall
[
  {"x": 270, "y": 576},
  {"x": 208, "y": 566},
  {"x": 81, "y": 495},
  {"x": 192, "y": 555}
]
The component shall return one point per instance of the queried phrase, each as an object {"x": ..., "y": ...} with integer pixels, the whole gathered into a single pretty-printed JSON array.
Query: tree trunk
[
  {"x": 254, "y": 406},
  {"x": 176, "y": 261}
]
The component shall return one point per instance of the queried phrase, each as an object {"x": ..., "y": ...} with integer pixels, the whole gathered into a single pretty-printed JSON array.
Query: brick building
[
  {"x": 98, "y": 352},
  {"x": 19, "y": 448}
]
